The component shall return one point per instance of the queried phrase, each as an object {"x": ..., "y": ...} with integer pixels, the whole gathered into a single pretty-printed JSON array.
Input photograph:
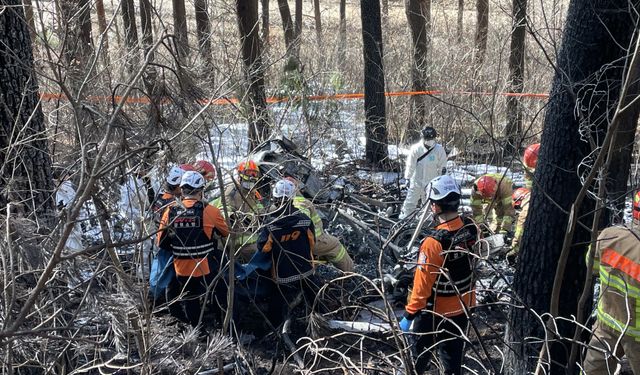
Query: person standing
[
  {"x": 617, "y": 330},
  {"x": 188, "y": 230},
  {"x": 443, "y": 283},
  {"x": 426, "y": 160}
]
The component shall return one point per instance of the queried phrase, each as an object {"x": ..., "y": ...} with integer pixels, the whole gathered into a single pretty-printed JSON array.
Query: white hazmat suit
[{"x": 424, "y": 163}]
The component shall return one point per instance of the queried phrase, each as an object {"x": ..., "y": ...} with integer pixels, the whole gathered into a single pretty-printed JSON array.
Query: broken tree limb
[{"x": 397, "y": 251}]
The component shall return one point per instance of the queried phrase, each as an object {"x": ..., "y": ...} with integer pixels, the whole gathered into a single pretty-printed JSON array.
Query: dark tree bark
[
  {"x": 247, "y": 12},
  {"x": 266, "y": 27},
  {"x": 298, "y": 19},
  {"x": 482, "y": 30},
  {"x": 419, "y": 19},
  {"x": 513, "y": 132},
  {"x": 25, "y": 171},
  {"x": 460, "y": 18},
  {"x": 130, "y": 33},
  {"x": 318, "y": 18},
  {"x": 102, "y": 28},
  {"x": 180, "y": 29},
  {"x": 146, "y": 24},
  {"x": 150, "y": 77},
  {"x": 596, "y": 35},
  {"x": 290, "y": 38},
  {"x": 374, "y": 99},
  {"x": 342, "y": 34},
  {"x": 203, "y": 28}
]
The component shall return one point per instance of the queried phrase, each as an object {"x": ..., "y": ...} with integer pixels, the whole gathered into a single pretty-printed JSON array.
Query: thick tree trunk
[
  {"x": 84, "y": 25},
  {"x": 266, "y": 27},
  {"x": 102, "y": 28},
  {"x": 318, "y": 18},
  {"x": 374, "y": 100},
  {"x": 482, "y": 30},
  {"x": 419, "y": 19},
  {"x": 180, "y": 29},
  {"x": 25, "y": 173},
  {"x": 150, "y": 77},
  {"x": 460, "y": 19},
  {"x": 146, "y": 24},
  {"x": 203, "y": 28},
  {"x": 247, "y": 12},
  {"x": 593, "y": 35},
  {"x": 513, "y": 132},
  {"x": 298, "y": 19},
  {"x": 288, "y": 27},
  {"x": 130, "y": 33}
]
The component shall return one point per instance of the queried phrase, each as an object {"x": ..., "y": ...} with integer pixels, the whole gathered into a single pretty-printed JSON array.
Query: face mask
[
  {"x": 429, "y": 143},
  {"x": 248, "y": 185}
]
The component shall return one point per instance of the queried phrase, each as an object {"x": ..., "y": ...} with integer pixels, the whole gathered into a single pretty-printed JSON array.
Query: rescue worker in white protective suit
[{"x": 426, "y": 161}]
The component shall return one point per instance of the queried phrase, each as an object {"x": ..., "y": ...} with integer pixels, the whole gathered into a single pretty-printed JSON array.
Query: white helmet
[
  {"x": 174, "y": 176},
  {"x": 441, "y": 187},
  {"x": 284, "y": 189},
  {"x": 192, "y": 179}
]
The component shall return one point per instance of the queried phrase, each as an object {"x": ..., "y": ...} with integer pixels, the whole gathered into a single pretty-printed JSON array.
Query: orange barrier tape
[{"x": 275, "y": 100}]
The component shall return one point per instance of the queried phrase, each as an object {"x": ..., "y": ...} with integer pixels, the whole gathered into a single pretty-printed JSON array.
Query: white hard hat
[
  {"x": 440, "y": 187},
  {"x": 284, "y": 189},
  {"x": 175, "y": 175},
  {"x": 192, "y": 179}
]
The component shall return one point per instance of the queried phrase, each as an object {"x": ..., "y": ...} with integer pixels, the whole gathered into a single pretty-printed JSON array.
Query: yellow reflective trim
[
  {"x": 341, "y": 254},
  {"x": 607, "y": 279},
  {"x": 617, "y": 325}
]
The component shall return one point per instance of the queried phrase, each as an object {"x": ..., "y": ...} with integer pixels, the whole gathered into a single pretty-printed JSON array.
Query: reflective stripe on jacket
[
  {"x": 306, "y": 207},
  {"x": 618, "y": 259}
]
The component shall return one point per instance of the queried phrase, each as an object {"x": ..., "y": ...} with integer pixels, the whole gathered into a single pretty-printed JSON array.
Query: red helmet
[
  {"x": 636, "y": 205},
  {"x": 206, "y": 169},
  {"x": 486, "y": 186},
  {"x": 187, "y": 167},
  {"x": 531, "y": 156},
  {"x": 248, "y": 171},
  {"x": 518, "y": 196}
]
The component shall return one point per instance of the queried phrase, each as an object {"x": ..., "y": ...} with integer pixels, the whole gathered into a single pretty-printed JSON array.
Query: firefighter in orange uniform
[
  {"x": 443, "y": 284},
  {"x": 188, "y": 230}
]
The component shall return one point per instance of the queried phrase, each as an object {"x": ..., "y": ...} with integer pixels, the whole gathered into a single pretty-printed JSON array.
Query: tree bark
[
  {"x": 146, "y": 24},
  {"x": 342, "y": 34},
  {"x": 482, "y": 30},
  {"x": 102, "y": 28},
  {"x": 581, "y": 104},
  {"x": 288, "y": 27},
  {"x": 28, "y": 12},
  {"x": 460, "y": 19},
  {"x": 298, "y": 19},
  {"x": 150, "y": 77},
  {"x": 203, "y": 28},
  {"x": 513, "y": 132},
  {"x": 266, "y": 27},
  {"x": 318, "y": 18},
  {"x": 374, "y": 99},
  {"x": 130, "y": 33},
  {"x": 247, "y": 12},
  {"x": 84, "y": 25},
  {"x": 180, "y": 29},
  {"x": 25, "y": 172},
  {"x": 419, "y": 19}
]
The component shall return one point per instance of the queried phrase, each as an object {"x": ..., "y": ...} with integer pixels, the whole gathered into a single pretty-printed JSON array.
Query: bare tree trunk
[
  {"x": 180, "y": 29},
  {"x": 146, "y": 24},
  {"x": 26, "y": 177},
  {"x": 130, "y": 33},
  {"x": 460, "y": 18},
  {"x": 318, "y": 19},
  {"x": 513, "y": 132},
  {"x": 28, "y": 13},
  {"x": 298, "y": 19},
  {"x": 374, "y": 100},
  {"x": 482, "y": 30},
  {"x": 84, "y": 24},
  {"x": 419, "y": 18},
  {"x": 150, "y": 77},
  {"x": 203, "y": 28},
  {"x": 265, "y": 21},
  {"x": 102, "y": 28},
  {"x": 342, "y": 34},
  {"x": 247, "y": 12},
  {"x": 290, "y": 38},
  {"x": 590, "y": 65}
]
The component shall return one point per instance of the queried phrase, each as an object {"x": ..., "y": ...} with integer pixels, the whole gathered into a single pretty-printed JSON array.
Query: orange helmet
[
  {"x": 206, "y": 169},
  {"x": 531, "y": 156},
  {"x": 248, "y": 171},
  {"x": 636, "y": 205},
  {"x": 486, "y": 186},
  {"x": 187, "y": 167},
  {"x": 518, "y": 196}
]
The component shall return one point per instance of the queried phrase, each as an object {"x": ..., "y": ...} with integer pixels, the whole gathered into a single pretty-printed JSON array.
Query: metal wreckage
[{"x": 365, "y": 216}]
